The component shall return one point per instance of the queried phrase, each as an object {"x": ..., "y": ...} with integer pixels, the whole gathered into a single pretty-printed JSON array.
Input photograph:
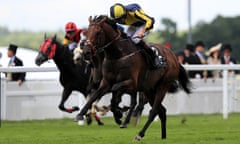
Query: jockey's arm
[{"x": 148, "y": 20}]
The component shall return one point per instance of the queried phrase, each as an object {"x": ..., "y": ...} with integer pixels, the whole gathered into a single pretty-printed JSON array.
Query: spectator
[
  {"x": 180, "y": 57},
  {"x": 15, "y": 61},
  {"x": 199, "y": 51},
  {"x": 191, "y": 58},
  {"x": 214, "y": 58},
  {"x": 226, "y": 58}
]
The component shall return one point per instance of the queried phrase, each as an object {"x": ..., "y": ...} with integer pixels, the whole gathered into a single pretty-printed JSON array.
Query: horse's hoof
[
  {"x": 75, "y": 108},
  {"x": 118, "y": 121},
  {"x": 100, "y": 123},
  {"x": 138, "y": 138},
  {"x": 123, "y": 126},
  {"x": 80, "y": 122},
  {"x": 69, "y": 110},
  {"x": 89, "y": 120}
]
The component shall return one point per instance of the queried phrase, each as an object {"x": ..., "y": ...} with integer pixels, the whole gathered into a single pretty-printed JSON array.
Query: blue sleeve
[{"x": 120, "y": 27}]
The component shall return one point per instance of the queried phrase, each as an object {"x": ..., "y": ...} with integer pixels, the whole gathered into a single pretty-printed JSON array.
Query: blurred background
[
  {"x": 24, "y": 22},
  {"x": 178, "y": 22}
]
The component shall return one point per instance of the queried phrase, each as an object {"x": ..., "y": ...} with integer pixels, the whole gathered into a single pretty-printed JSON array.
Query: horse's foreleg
[
  {"x": 132, "y": 106},
  {"x": 117, "y": 113},
  {"x": 128, "y": 87},
  {"x": 65, "y": 95},
  {"x": 103, "y": 88}
]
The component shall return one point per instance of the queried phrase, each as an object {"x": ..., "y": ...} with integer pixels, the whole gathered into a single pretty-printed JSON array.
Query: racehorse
[
  {"x": 125, "y": 69},
  {"x": 96, "y": 63},
  {"x": 72, "y": 76}
]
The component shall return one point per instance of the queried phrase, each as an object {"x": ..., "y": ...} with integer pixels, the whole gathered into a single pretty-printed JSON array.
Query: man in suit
[
  {"x": 226, "y": 57},
  {"x": 15, "y": 61},
  {"x": 199, "y": 51},
  {"x": 191, "y": 58}
]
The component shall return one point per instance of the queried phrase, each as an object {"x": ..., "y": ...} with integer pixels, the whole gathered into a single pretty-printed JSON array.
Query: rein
[{"x": 130, "y": 55}]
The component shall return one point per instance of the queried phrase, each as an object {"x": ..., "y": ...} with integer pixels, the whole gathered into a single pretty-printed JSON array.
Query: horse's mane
[{"x": 110, "y": 22}]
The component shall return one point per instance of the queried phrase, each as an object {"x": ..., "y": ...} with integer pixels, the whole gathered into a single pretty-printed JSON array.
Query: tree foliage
[
  {"x": 221, "y": 29},
  {"x": 26, "y": 39}
]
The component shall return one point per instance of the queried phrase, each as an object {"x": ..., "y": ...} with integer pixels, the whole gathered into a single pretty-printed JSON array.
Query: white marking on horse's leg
[{"x": 80, "y": 122}]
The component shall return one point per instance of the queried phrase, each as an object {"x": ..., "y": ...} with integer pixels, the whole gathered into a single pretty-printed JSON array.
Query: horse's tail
[{"x": 184, "y": 81}]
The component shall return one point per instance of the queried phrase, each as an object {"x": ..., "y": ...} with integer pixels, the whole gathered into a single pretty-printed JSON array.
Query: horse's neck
[
  {"x": 97, "y": 62},
  {"x": 63, "y": 60},
  {"x": 120, "y": 48}
]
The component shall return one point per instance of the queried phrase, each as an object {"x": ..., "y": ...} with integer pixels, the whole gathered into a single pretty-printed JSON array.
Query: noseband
[{"x": 101, "y": 49}]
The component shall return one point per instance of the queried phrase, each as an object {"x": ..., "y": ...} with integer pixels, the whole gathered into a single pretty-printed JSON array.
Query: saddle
[{"x": 153, "y": 56}]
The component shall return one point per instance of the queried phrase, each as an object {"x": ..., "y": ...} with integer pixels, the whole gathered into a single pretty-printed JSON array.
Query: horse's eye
[{"x": 98, "y": 33}]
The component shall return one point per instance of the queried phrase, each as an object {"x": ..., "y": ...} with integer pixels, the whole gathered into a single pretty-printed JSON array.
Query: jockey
[
  {"x": 73, "y": 35},
  {"x": 139, "y": 25}
]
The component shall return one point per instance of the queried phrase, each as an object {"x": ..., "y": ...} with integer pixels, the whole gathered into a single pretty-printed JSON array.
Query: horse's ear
[
  {"x": 54, "y": 37},
  {"x": 45, "y": 36},
  {"x": 90, "y": 19},
  {"x": 103, "y": 20}
]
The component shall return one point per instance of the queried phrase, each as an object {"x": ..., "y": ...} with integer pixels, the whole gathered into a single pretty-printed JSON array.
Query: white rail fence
[{"x": 39, "y": 99}]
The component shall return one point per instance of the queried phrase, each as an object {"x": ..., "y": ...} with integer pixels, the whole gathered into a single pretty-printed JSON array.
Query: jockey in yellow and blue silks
[
  {"x": 139, "y": 24},
  {"x": 133, "y": 16}
]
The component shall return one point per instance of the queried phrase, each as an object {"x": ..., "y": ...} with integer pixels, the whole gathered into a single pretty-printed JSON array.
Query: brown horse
[{"x": 125, "y": 70}]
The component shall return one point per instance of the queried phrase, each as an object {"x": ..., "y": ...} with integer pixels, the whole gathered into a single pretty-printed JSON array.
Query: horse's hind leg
[
  {"x": 152, "y": 114},
  {"x": 163, "y": 118},
  {"x": 94, "y": 113},
  {"x": 138, "y": 111},
  {"x": 132, "y": 106},
  {"x": 157, "y": 108}
]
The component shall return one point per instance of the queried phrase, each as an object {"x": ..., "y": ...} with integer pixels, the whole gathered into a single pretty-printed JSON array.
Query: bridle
[
  {"x": 97, "y": 49},
  {"x": 48, "y": 49}
]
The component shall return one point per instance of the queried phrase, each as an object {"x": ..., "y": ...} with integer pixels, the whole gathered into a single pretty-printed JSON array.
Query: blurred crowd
[{"x": 198, "y": 54}]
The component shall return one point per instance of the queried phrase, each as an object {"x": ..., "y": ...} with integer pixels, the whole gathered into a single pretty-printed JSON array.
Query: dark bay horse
[
  {"x": 96, "y": 62},
  {"x": 125, "y": 70},
  {"x": 72, "y": 76}
]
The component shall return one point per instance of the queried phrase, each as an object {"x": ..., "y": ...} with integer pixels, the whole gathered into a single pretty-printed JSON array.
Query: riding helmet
[
  {"x": 70, "y": 26},
  {"x": 117, "y": 11}
]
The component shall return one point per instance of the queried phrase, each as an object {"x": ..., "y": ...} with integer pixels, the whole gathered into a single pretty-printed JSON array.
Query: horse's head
[
  {"x": 47, "y": 50},
  {"x": 101, "y": 34},
  {"x": 77, "y": 55}
]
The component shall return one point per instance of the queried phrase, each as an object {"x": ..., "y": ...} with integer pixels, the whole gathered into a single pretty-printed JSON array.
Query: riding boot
[{"x": 154, "y": 59}]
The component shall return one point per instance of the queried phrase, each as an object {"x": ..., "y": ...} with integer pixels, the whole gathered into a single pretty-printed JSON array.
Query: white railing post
[{"x": 225, "y": 94}]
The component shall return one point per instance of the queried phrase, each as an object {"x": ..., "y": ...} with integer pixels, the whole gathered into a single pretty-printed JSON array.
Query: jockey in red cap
[{"x": 73, "y": 35}]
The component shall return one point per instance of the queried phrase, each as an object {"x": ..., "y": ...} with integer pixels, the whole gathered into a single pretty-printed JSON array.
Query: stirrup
[{"x": 160, "y": 62}]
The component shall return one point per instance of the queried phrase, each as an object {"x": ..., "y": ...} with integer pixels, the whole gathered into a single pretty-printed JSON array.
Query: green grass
[{"x": 198, "y": 129}]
